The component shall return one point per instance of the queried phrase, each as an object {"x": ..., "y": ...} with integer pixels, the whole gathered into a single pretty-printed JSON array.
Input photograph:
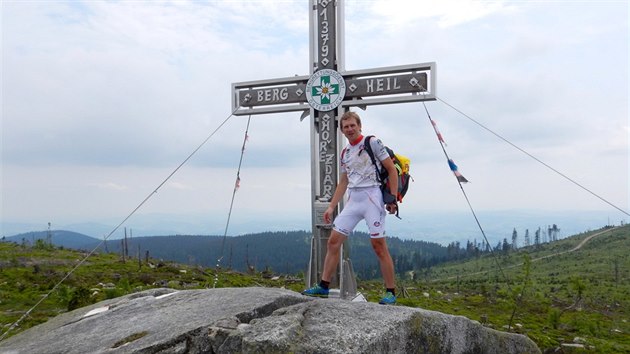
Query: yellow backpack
[{"x": 402, "y": 164}]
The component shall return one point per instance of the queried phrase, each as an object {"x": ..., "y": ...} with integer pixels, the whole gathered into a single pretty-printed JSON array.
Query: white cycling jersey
[{"x": 356, "y": 163}]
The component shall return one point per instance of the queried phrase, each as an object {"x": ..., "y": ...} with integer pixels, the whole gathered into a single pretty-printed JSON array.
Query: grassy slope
[
  {"x": 29, "y": 274},
  {"x": 585, "y": 293}
]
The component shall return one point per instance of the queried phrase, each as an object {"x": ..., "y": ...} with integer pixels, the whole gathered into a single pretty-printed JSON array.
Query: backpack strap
[
  {"x": 368, "y": 148},
  {"x": 386, "y": 194}
]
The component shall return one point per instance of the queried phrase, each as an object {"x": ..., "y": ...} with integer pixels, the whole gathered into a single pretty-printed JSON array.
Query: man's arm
[
  {"x": 336, "y": 198},
  {"x": 392, "y": 174}
]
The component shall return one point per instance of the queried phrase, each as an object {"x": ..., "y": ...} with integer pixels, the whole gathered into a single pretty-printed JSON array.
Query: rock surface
[{"x": 257, "y": 320}]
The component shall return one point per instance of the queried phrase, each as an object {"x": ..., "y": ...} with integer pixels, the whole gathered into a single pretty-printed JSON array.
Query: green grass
[
  {"x": 29, "y": 274},
  {"x": 583, "y": 294}
]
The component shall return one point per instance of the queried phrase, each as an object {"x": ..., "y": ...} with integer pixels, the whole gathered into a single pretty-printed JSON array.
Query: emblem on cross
[{"x": 325, "y": 90}]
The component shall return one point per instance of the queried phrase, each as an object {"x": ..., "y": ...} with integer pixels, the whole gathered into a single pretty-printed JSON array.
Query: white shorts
[{"x": 363, "y": 203}]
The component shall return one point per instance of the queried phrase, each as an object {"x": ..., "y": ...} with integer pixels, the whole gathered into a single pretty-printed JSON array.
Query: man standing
[{"x": 365, "y": 201}]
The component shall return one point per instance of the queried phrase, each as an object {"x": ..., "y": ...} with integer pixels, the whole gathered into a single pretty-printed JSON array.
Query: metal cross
[{"x": 325, "y": 95}]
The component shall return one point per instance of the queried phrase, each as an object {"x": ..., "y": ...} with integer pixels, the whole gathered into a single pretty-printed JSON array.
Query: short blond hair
[{"x": 349, "y": 115}]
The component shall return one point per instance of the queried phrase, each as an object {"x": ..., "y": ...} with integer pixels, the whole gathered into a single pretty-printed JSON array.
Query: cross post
[{"x": 325, "y": 95}]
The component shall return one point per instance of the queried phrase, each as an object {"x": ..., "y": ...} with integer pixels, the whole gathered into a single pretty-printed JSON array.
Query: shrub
[
  {"x": 80, "y": 297},
  {"x": 554, "y": 317}
]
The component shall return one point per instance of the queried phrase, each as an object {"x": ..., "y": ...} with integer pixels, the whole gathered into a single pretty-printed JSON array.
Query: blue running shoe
[
  {"x": 316, "y": 291},
  {"x": 388, "y": 299}
]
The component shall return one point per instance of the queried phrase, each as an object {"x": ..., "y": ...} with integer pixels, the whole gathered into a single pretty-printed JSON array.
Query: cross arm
[
  {"x": 393, "y": 84},
  {"x": 270, "y": 96},
  {"x": 385, "y": 85}
]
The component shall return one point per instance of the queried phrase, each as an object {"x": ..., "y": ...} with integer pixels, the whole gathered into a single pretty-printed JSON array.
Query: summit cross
[{"x": 324, "y": 95}]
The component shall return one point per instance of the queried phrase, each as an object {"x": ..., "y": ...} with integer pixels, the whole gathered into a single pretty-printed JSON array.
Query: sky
[{"x": 103, "y": 100}]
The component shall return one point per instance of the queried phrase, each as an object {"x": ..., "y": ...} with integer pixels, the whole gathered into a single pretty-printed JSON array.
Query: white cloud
[
  {"x": 180, "y": 186},
  {"x": 102, "y": 100},
  {"x": 108, "y": 185},
  {"x": 446, "y": 13}
]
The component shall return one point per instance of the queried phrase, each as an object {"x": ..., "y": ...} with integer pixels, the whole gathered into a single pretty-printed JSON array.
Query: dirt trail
[
  {"x": 576, "y": 248},
  {"x": 584, "y": 241}
]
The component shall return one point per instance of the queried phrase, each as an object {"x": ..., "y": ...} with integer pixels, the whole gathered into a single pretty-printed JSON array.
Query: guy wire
[
  {"x": 27, "y": 313},
  {"x": 236, "y": 186},
  {"x": 461, "y": 187},
  {"x": 533, "y": 157}
]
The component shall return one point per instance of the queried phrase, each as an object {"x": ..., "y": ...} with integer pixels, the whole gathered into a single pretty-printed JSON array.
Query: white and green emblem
[{"x": 325, "y": 90}]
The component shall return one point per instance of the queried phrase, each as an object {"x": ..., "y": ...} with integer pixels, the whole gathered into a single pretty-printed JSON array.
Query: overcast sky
[{"x": 102, "y": 100}]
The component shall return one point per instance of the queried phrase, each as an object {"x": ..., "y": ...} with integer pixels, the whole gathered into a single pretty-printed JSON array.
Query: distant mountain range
[
  {"x": 434, "y": 226},
  {"x": 68, "y": 239},
  {"x": 283, "y": 252}
]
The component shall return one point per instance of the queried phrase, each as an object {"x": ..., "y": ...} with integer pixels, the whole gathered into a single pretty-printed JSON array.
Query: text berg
[{"x": 274, "y": 94}]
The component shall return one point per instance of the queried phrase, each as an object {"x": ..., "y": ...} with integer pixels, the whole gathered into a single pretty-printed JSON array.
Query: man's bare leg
[
  {"x": 332, "y": 254},
  {"x": 385, "y": 259}
]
